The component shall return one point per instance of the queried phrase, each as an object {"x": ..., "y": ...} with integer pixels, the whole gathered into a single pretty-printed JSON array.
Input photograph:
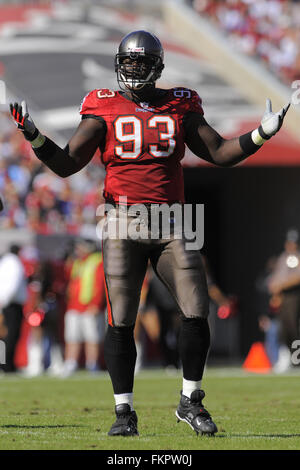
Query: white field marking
[{"x": 39, "y": 433}]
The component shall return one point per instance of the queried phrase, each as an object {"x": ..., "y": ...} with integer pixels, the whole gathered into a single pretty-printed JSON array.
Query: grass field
[{"x": 252, "y": 413}]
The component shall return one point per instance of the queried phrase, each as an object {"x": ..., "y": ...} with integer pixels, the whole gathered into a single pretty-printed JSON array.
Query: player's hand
[
  {"x": 23, "y": 121},
  {"x": 271, "y": 122}
]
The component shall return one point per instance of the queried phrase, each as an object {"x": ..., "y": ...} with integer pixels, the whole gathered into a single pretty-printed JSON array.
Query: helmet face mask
[{"x": 139, "y": 61}]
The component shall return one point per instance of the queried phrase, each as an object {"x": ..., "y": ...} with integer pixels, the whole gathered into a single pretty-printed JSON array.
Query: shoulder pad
[
  {"x": 105, "y": 93},
  {"x": 95, "y": 101},
  {"x": 189, "y": 99}
]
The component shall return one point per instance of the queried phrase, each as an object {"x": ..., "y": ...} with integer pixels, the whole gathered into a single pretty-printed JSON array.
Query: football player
[{"x": 141, "y": 131}]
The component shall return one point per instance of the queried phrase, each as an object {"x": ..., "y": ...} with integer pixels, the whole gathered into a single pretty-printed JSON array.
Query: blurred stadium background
[{"x": 234, "y": 53}]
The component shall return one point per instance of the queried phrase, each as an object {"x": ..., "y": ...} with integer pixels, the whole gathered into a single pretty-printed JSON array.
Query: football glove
[
  {"x": 23, "y": 121},
  {"x": 270, "y": 124}
]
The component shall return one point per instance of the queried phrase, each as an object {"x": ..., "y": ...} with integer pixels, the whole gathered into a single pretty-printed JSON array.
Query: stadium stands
[
  {"x": 266, "y": 29},
  {"x": 37, "y": 200},
  {"x": 260, "y": 66}
]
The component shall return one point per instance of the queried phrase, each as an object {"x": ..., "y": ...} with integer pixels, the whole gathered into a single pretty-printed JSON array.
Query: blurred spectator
[
  {"x": 35, "y": 198},
  {"x": 267, "y": 308},
  {"x": 264, "y": 29},
  {"x": 284, "y": 286},
  {"x": 84, "y": 319},
  {"x": 159, "y": 317},
  {"x": 13, "y": 295},
  {"x": 222, "y": 307},
  {"x": 42, "y": 312}
]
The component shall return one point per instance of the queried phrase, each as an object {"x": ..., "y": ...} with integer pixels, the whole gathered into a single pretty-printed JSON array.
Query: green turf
[{"x": 251, "y": 411}]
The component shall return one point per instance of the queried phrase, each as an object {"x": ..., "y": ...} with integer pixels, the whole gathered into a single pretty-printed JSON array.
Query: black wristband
[
  {"x": 263, "y": 134},
  {"x": 247, "y": 144},
  {"x": 29, "y": 136},
  {"x": 46, "y": 151}
]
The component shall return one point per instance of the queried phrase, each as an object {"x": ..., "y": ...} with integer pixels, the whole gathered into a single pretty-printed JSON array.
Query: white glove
[{"x": 270, "y": 123}]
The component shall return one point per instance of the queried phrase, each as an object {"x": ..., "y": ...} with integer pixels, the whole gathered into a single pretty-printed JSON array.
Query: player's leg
[
  {"x": 13, "y": 318},
  {"x": 91, "y": 338},
  {"x": 73, "y": 339},
  {"x": 288, "y": 331},
  {"x": 182, "y": 272},
  {"x": 125, "y": 263}
]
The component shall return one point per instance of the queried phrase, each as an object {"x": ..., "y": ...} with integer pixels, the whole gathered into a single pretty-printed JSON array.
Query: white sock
[
  {"x": 188, "y": 386},
  {"x": 35, "y": 357},
  {"x": 124, "y": 398},
  {"x": 71, "y": 364}
]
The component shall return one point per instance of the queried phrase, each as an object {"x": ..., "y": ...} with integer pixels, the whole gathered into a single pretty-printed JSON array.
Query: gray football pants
[{"x": 125, "y": 265}]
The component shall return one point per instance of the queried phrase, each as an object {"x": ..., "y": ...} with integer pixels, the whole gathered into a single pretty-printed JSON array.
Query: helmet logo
[{"x": 139, "y": 50}]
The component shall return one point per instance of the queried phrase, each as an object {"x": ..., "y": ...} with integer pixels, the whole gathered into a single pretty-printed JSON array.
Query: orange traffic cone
[{"x": 257, "y": 360}]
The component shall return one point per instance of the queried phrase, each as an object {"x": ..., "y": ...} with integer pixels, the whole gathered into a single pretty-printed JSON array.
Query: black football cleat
[
  {"x": 126, "y": 422},
  {"x": 192, "y": 411}
]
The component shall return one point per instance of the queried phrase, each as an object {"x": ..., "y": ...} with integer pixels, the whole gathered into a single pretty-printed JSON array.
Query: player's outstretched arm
[
  {"x": 71, "y": 159},
  {"x": 206, "y": 143}
]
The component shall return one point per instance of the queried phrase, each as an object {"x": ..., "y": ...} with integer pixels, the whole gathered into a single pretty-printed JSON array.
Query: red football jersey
[{"x": 144, "y": 144}]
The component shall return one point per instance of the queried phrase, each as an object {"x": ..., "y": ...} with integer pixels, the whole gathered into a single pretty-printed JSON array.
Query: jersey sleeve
[
  {"x": 188, "y": 101},
  {"x": 195, "y": 104},
  {"x": 89, "y": 104},
  {"x": 97, "y": 103}
]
